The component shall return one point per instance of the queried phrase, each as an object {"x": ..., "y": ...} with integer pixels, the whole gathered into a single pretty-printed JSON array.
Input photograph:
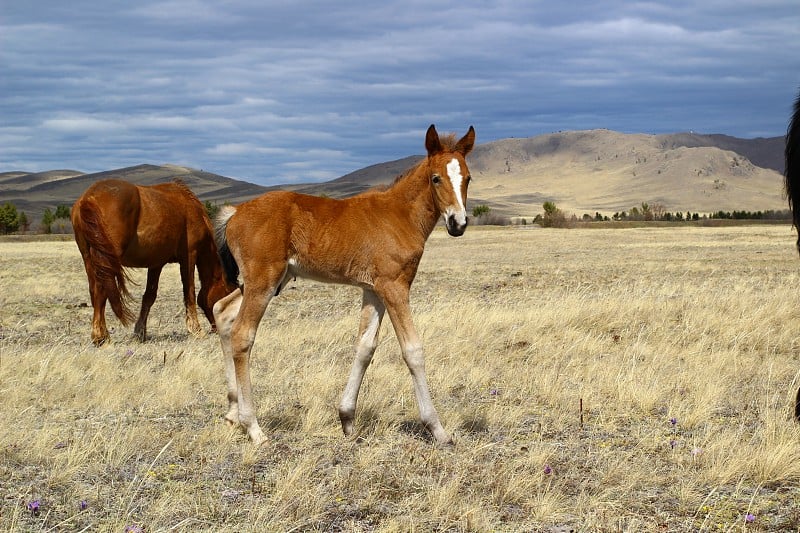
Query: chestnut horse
[
  {"x": 118, "y": 224},
  {"x": 373, "y": 240},
  {"x": 792, "y": 185}
]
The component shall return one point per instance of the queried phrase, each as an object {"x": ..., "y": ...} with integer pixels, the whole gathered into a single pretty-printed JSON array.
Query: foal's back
[{"x": 351, "y": 240}]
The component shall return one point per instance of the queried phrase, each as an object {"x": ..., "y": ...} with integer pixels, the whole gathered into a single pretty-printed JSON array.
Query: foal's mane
[{"x": 448, "y": 142}]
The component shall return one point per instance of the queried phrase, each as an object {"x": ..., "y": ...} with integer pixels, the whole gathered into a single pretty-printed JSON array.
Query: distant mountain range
[{"x": 581, "y": 171}]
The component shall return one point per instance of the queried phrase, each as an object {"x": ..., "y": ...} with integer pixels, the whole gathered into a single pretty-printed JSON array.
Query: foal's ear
[
  {"x": 467, "y": 141},
  {"x": 432, "y": 143}
]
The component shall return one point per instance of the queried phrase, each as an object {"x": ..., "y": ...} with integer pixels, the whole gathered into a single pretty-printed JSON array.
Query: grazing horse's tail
[
  {"x": 792, "y": 169},
  {"x": 226, "y": 257},
  {"x": 103, "y": 260}
]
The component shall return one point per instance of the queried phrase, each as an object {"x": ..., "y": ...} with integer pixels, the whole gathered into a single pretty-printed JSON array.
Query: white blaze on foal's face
[{"x": 458, "y": 211}]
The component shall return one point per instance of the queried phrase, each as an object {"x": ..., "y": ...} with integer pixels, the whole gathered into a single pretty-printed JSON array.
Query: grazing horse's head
[
  {"x": 450, "y": 177},
  {"x": 211, "y": 294}
]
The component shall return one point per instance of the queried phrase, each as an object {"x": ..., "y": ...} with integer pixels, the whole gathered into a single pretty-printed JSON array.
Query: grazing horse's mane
[
  {"x": 191, "y": 197},
  {"x": 187, "y": 191},
  {"x": 448, "y": 142}
]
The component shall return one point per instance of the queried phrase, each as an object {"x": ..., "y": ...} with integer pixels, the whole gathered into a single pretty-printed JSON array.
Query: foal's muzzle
[{"x": 454, "y": 228}]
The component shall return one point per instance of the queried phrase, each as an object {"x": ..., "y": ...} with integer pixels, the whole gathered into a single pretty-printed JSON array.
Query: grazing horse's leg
[
  {"x": 99, "y": 329},
  {"x": 395, "y": 297},
  {"x": 189, "y": 297},
  {"x": 153, "y": 275},
  {"x": 372, "y": 310}
]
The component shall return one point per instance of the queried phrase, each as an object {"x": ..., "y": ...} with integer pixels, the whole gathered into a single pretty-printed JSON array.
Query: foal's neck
[{"x": 414, "y": 192}]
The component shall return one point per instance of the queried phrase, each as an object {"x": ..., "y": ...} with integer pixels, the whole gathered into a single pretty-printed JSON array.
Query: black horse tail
[
  {"x": 792, "y": 169},
  {"x": 791, "y": 182},
  {"x": 220, "y": 236},
  {"x": 797, "y": 406}
]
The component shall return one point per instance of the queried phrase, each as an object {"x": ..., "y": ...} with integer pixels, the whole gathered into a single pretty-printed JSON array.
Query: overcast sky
[{"x": 289, "y": 91}]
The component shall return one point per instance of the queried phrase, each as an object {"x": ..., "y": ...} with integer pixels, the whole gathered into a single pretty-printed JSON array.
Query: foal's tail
[
  {"x": 103, "y": 260},
  {"x": 792, "y": 170},
  {"x": 220, "y": 235}
]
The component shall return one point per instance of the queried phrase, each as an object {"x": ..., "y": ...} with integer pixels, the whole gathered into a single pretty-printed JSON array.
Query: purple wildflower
[
  {"x": 673, "y": 443},
  {"x": 33, "y": 507},
  {"x": 494, "y": 392},
  {"x": 83, "y": 505},
  {"x": 134, "y": 528},
  {"x": 673, "y": 421},
  {"x": 696, "y": 451},
  {"x": 749, "y": 518},
  {"x": 548, "y": 470},
  {"x": 129, "y": 352}
]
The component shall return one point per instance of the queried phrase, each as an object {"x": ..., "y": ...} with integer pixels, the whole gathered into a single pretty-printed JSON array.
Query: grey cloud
[{"x": 278, "y": 91}]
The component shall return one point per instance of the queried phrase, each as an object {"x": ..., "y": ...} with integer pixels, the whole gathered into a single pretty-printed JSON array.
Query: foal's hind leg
[
  {"x": 225, "y": 312},
  {"x": 237, "y": 337},
  {"x": 153, "y": 275},
  {"x": 372, "y": 310}
]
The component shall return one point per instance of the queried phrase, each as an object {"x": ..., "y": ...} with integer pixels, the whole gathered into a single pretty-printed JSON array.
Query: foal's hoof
[
  {"x": 446, "y": 445},
  {"x": 257, "y": 437},
  {"x": 442, "y": 438}
]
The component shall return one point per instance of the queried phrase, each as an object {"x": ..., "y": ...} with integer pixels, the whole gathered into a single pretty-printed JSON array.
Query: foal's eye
[{"x": 436, "y": 178}]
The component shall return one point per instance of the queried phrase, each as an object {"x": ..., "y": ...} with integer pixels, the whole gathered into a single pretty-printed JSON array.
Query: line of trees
[
  {"x": 555, "y": 217},
  {"x": 769, "y": 214},
  {"x": 654, "y": 212},
  {"x": 13, "y": 220}
]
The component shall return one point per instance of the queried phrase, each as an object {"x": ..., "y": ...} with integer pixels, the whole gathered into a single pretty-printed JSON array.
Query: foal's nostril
[
  {"x": 454, "y": 228},
  {"x": 451, "y": 221}
]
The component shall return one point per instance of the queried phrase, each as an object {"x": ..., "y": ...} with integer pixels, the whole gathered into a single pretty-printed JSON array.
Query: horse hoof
[{"x": 101, "y": 341}]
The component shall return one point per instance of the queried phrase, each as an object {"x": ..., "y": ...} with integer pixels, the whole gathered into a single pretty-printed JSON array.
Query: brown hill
[
  {"x": 600, "y": 170},
  {"x": 34, "y": 192},
  {"x": 581, "y": 171},
  {"x": 607, "y": 171}
]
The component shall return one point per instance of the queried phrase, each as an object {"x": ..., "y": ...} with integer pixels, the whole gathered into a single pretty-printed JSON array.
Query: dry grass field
[{"x": 680, "y": 343}]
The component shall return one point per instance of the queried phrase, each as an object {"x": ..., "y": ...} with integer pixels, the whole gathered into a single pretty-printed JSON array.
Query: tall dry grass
[{"x": 680, "y": 344}]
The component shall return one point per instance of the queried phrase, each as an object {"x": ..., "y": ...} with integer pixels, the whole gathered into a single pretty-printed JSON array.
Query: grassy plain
[{"x": 680, "y": 343}]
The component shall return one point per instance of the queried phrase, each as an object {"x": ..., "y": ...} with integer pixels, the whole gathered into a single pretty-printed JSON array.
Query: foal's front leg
[{"x": 395, "y": 296}]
